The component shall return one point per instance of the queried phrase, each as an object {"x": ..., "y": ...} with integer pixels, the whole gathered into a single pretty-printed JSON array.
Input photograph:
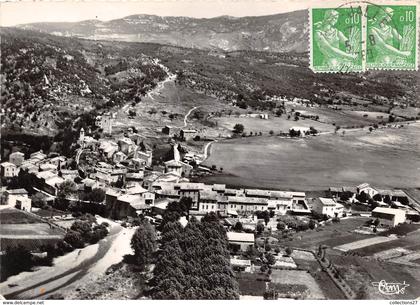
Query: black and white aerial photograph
[{"x": 210, "y": 150}]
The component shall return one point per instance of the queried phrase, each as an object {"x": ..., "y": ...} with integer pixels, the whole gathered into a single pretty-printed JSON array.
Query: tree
[
  {"x": 281, "y": 226},
  {"x": 238, "y": 129},
  {"x": 82, "y": 227},
  {"x": 260, "y": 227},
  {"x": 289, "y": 251},
  {"x": 376, "y": 222},
  {"x": 363, "y": 197},
  {"x": 370, "y": 129},
  {"x": 143, "y": 243},
  {"x": 38, "y": 201},
  {"x": 74, "y": 239},
  {"x": 271, "y": 260},
  {"x": 66, "y": 189},
  {"x": 16, "y": 259},
  {"x": 312, "y": 224},
  {"x": 238, "y": 227},
  {"x": 96, "y": 195},
  {"x": 271, "y": 132}
]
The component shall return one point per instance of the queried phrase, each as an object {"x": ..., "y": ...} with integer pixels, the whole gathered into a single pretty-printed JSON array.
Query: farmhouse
[
  {"x": 187, "y": 134},
  {"x": 338, "y": 192},
  {"x": 18, "y": 198},
  {"x": 394, "y": 195},
  {"x": 179, "y": 167},
  {"x": 9, "y": 170},
  {"x": 328, "y": 206},
  {"x": 17, "y": 158},
  {"x": 240, "y": 241},
  {"x": 170, "y": 130},
  {"x": 392, "y": 217},
  {"x": 367, "y": 189}
]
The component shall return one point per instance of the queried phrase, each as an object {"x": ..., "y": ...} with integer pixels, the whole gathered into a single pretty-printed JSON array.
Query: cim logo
[{"x": 390, "y": 288}]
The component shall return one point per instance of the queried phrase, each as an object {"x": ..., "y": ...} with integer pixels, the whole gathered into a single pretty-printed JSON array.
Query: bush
[
  {"x": 74, "y": 239},
  {"x": 289, "y": 251}
]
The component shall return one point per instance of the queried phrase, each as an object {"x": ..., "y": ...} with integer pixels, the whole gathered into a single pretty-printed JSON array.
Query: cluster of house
[
  {"x": 205, "y": 198},
  {"x": 182, "y": 133},
  {"x": 393, "y": 205}
]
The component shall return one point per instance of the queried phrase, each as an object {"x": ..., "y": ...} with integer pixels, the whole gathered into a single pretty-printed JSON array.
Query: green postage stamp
[
  {"x": 364, "y": 37},
  {"x": 391, "y": 37},
  {"x": 336, "y": 40}
]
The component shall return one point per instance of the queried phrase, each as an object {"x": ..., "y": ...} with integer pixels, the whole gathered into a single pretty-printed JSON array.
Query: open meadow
[
  {"x": 385, "y": 158},
  {"x": 276, "y": 124}
]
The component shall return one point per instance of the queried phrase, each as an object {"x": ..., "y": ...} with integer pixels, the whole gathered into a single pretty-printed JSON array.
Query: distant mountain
[{"x": 276, "y": 33}]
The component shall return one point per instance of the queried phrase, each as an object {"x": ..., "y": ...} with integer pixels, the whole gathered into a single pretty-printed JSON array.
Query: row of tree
[{"x": 194, "y": 262}]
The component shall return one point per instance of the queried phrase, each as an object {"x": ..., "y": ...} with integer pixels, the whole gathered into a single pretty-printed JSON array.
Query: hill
[
  {"x": 277, "y": 33},
  {"x": 48, "y": 79}
]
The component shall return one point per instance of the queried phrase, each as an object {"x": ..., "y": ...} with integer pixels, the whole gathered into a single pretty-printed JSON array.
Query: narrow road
[
  {"x": 68, "y": 269},
  {"x": 207, "y": 150},
  {"x": 188, "y": 114}
]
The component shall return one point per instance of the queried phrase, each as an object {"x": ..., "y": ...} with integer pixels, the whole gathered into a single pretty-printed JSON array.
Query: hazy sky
[
  {"x": 13, "y": 13},
  {"x": 27, "y": 11}
]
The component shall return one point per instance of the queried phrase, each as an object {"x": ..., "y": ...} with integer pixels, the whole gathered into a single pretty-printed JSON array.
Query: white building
[
  {"x": 9, "y": 170},
  {"x": 388, "y": 216},
  {"x": 19, "y": 199},
  {"x": 240, "y": 241},
  {"x": 17, "y": 158},
  {"x": 367, "y": 189},
  {"x": 328, "y": 206}
]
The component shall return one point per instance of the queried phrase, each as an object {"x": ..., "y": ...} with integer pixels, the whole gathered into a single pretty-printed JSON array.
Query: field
[
  {"x": 410, "y": 242},
  {"x": 12, "y": 216},
  {"x": 330, "y": 235},
  {"x": 152, "y": 113},
  {"x": 347, "y": 117},
  {"x": 385, "y": 158},
  {"x": 298, "y": 277},
  {"x": 19, "y": 228},
  {"x": 361, "y": 272},
  {"x": 364, "y": 243},
  {"x": 277, "y": 124},
  {"x": 328, "y": 287},
  {"x": 250, "y": 284}
]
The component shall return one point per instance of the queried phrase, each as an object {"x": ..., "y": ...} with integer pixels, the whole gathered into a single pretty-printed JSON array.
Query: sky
[
  {"x": 13, "y": 13},
  {"x": 28, "y": 11}
]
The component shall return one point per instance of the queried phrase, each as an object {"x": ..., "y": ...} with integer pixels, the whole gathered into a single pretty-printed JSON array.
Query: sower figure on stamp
[
  {"x": 328, "y": 38},
  {"x": 382, "y": 36}
]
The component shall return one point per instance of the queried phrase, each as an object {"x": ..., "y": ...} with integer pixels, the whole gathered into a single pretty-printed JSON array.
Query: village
[{"x": 115, "y": 179}]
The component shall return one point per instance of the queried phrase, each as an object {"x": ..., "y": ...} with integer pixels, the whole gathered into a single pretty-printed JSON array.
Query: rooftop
[
  {"x": 247, "y": 200},
  {"x": 241, "y": 237},
  {"x": 17, "y": 192},
  {"x": 7, "y": 164},
  {"x": 327, "y": 201},
  {"x": 388, "y": 211}
]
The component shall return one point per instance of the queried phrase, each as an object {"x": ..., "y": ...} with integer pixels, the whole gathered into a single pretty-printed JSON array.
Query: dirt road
[{"x": 71, "y": 269}]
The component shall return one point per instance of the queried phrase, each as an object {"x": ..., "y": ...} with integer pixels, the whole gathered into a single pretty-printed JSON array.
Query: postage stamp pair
[{"x": 364, "y": 37}]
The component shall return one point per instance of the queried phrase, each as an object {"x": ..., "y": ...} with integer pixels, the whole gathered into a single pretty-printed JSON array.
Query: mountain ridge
[{"x": 283, "y": 32}]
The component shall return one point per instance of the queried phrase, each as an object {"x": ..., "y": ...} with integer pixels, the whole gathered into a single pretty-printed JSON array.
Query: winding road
[{"x": 188, "y": 114}]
